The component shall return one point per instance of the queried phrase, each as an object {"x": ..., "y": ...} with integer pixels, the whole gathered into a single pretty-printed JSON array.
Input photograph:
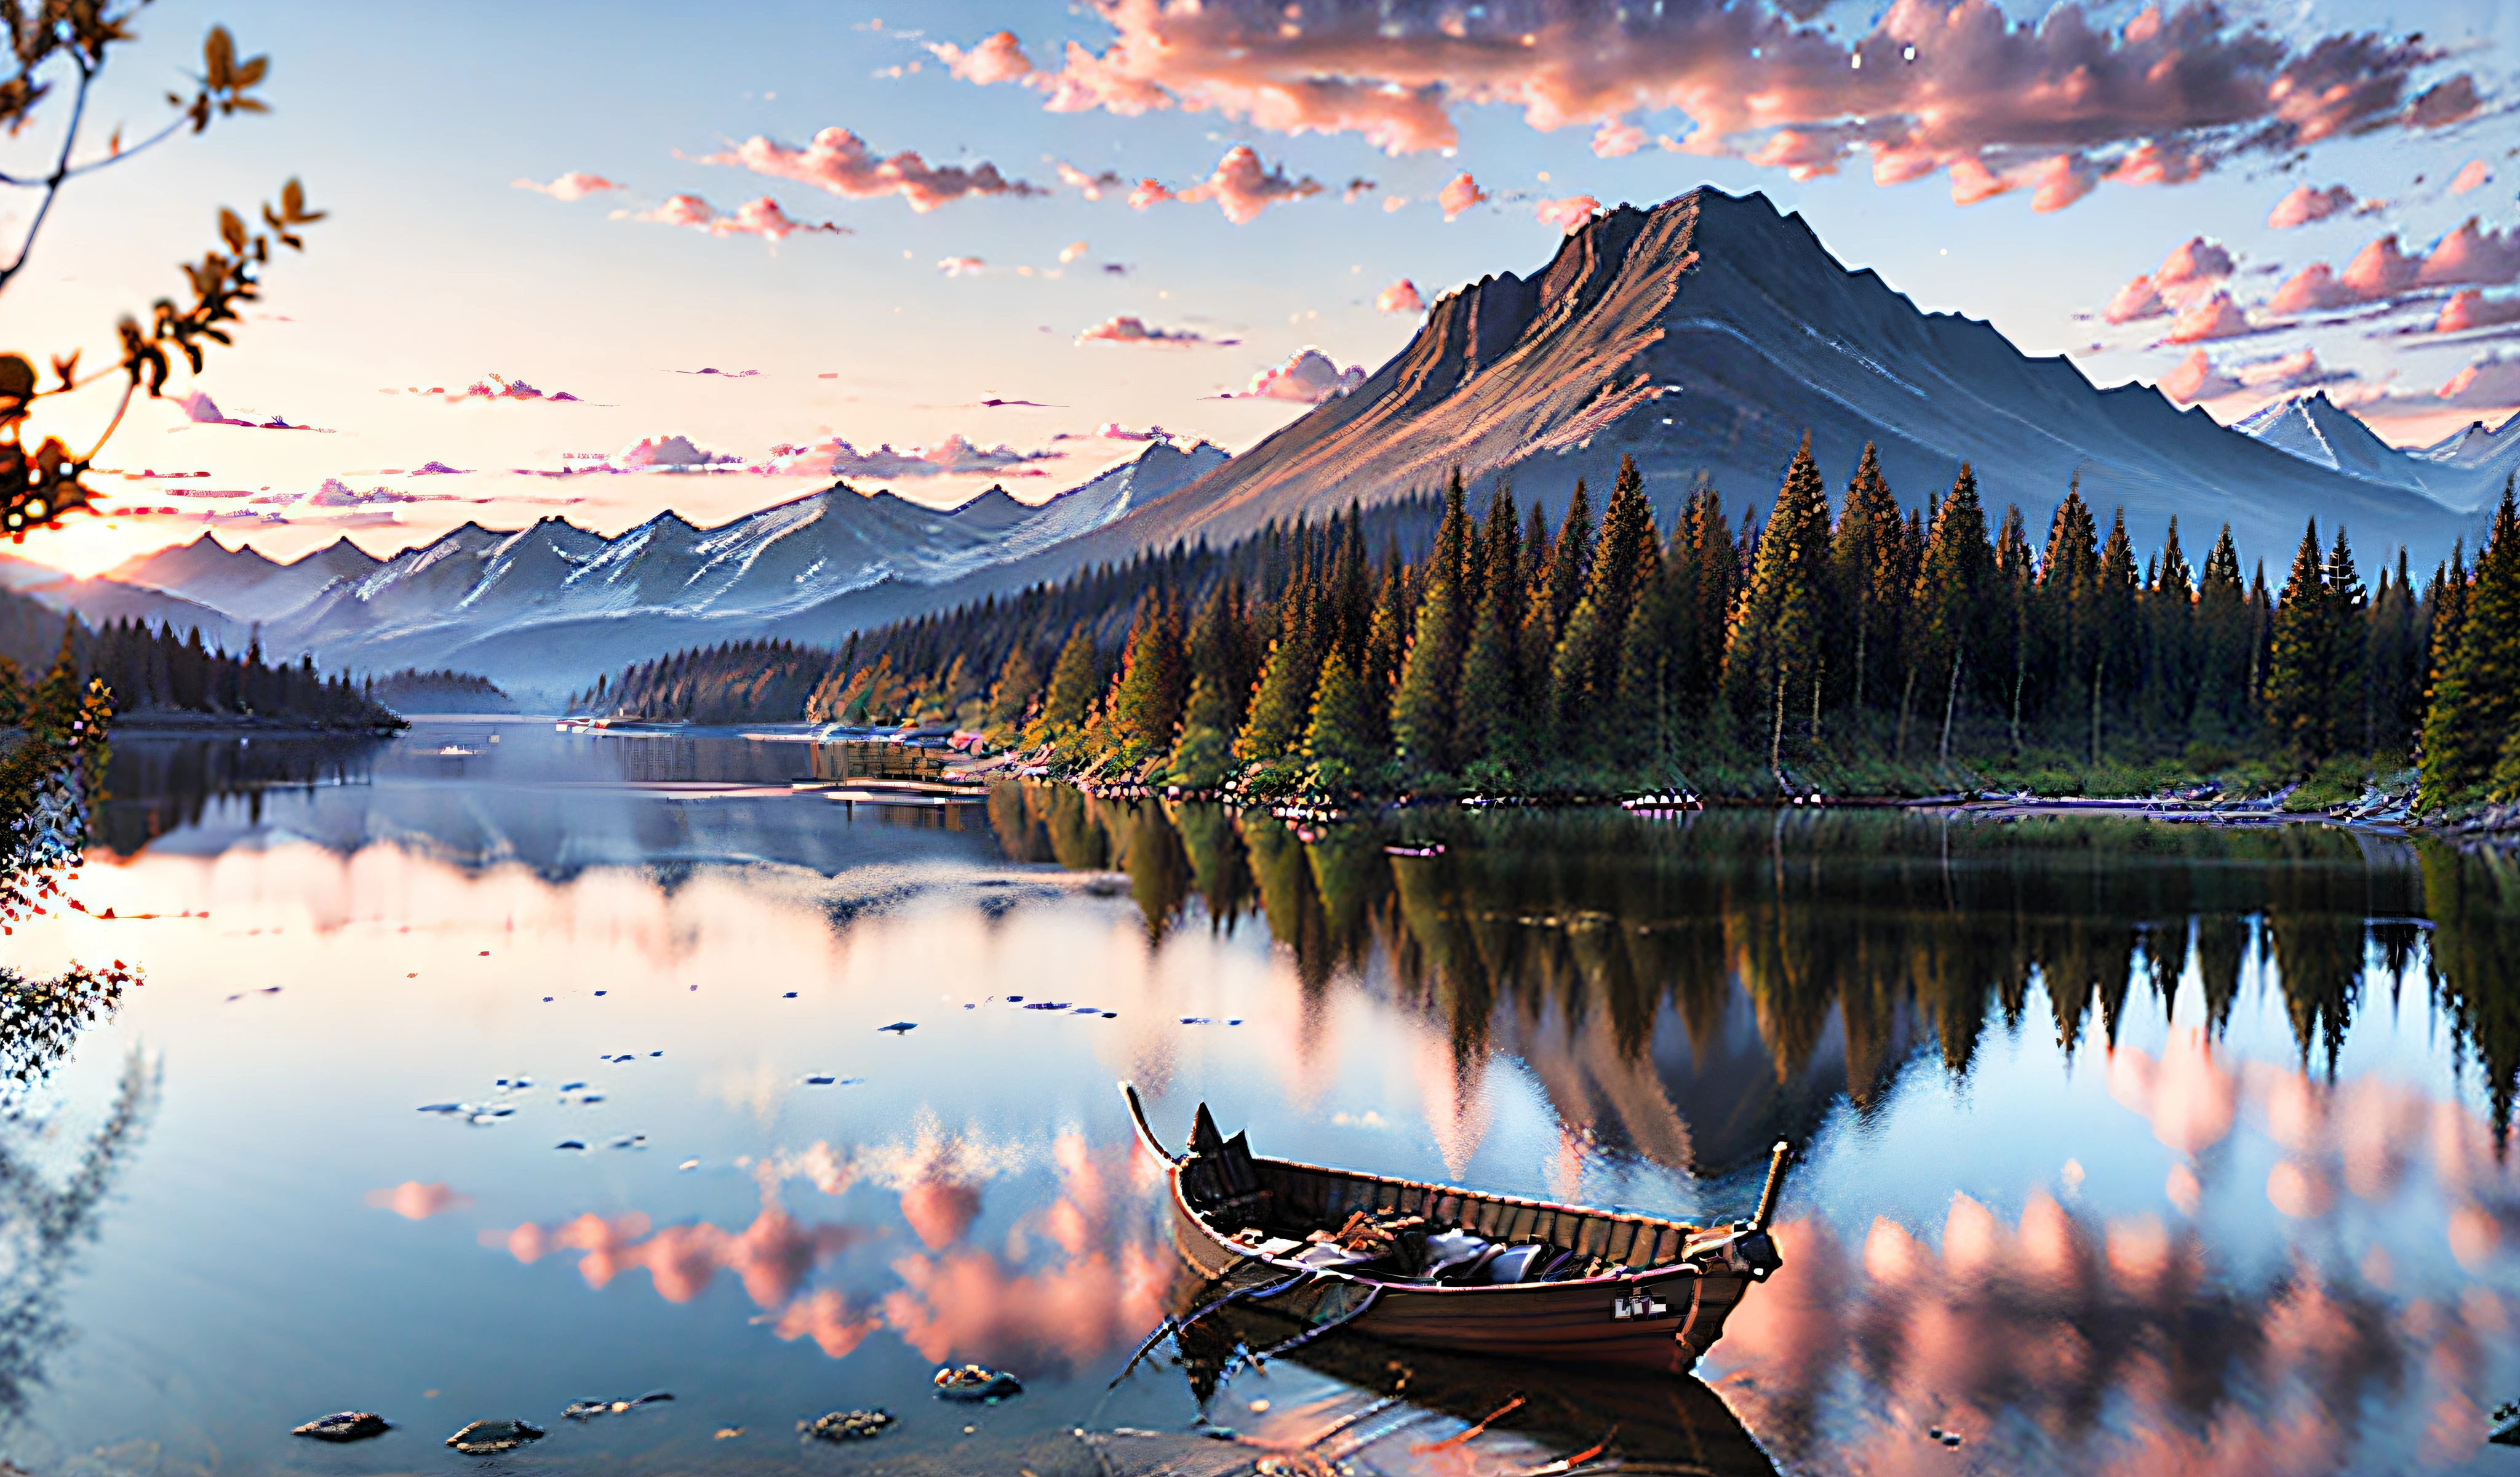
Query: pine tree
[
  {"x": 1951, "y": 594},
  {"x": 1018, "y": 688},
  {"x": 2170, "y": 638},
  {"x": 1282, "y": 704},
  {"x": 1584, "y": 670},
  {"x": 2117, "y": 645},
  {"x": 1777, "y": 640},
  {"x": 1492, "y": 691},
  {"x": 2476, "y": 699},
  {"x": 2300, "y": 701},
  {"x": 2351, "y": 719},
  {"x": 1336, "y": 745},
  {"x": 1075, "y": 680},
  {"x": 1423, "y": 717},
  {"x": 1868, "y": 566},
  {"x": 2015, "y": 586},
  {"x": 1154, "y": 680}
]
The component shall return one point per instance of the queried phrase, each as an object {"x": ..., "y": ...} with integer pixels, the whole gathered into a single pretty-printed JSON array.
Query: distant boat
[{"x": 1459, "y": 1270}]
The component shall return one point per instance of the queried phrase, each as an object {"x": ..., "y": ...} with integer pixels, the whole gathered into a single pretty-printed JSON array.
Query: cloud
[
  {"x": 1243, "y": 189},
  {"x": 1148, "y": 192},
  {"x": 2052, "y": 105},
  {"x": 336, "y": 494},
  {"x": 2212, "y": 317},
  {"x": 1460, "y": 193},
  {"x": 1568, "y": 214},
  {"x": 2384, "y": 272},
  {"x": 1309, "y": 377},
  {"x": 2197, "y": 377},
  {"x": 760, "y": 217},
  {"x": 575, "y": 185},
  {"x": 1617, "y": 138},
  {"x": 668, "y": 453},
  {"x": 730, "y": 374},
  {"x": 414, "y": 1201},
  {"x": 1127, "y": 329},
  {"x": 2492, "y": 382},
  {"x": 951, "y": 457},
  {"x": 2470, "y": 309},
  {"x": 840, "y": 161},
  {"x": 500, "y": 388},
  {"x": 1357, "y": 189},
  {"x": 2185, "y": 276},
  {"x": 1400, "y": 297},
  {"x": 771, "y": 1257},
  {"x": 202, "y": 410},
  {"x": 997, "y": 59},
  {"x": 2306, "y": 205},
  {"x": 436, "y": 469},
  {"x": 2137, "y": 300},
  {"x": 1091, "y": 186},
  {"x": 2476, "y": 174},
  {"x": 962, "y": 266}
]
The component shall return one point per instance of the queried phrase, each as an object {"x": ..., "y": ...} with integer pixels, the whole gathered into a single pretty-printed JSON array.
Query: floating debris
[
  {"x": 1950, "y": 1439},
  {"x": 1197, "y": 1020},
  {"x": 848, "y": 1425},
  {"x": 688, "y": 1165},
  {"x": 344, "y": 1425},
  {"x": 655, "y": 1053},
  {"x": 588, "y": 1409},
  {"x": 568, "y": 1143},
  {"x": 818, "y": 1079},
  {"x": 592, "y": 1097},
  {"x": 789, "y": 996},
  {"x": 572, "y": 1086},
  {"x": 727, "y": 1433},
  {"x": 463, "y": 1108},
  {"x": 489, "y": 1438},
  {"x": 976, "y": 1382},
  {"x": 631, "y": 1142},
  {"x": 1048, "y": 1006},
  {"x": 1415, "y": 849},
  {"x": 900, "y": 1028}
]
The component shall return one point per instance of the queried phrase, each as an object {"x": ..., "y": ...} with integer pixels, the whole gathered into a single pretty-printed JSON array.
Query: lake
[{"x": 2122, "y": 1148}]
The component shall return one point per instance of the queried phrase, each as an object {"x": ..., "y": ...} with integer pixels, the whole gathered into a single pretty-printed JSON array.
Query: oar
[{"x": 1775, "y": 1185}]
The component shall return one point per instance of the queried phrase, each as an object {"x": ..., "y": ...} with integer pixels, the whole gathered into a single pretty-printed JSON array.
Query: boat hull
[{"x": 1662, "y": 1317}]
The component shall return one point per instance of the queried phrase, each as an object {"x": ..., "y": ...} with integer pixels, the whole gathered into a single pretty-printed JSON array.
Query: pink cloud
[
  {"x": 962, "y": 266},
  {"x": 2212, "y": 317},
  {"x": 414, "y": 1201},
  {"x": 500, "y": 388},
  {"x": 1568, "y": 214},
  {"x": 1357, "y": 189},
  {"x": 2383, "y": 271},
  {"x": 2161, "y": 98},
  {"x": 1309, "y": 377},
  {"x": 997, "y": 59},
  {"x": 1617, "y": 138},
  {"x": 1148, "y": 192},
  {"x": 1129, "y": 329},
  {"x": 1399, "y": 297},
  {"x": 2470, "y": 309},
  {"x": 760, "y": 217},
  {"x": 577, "y": 184},
  {"x": 1113, "y": 431},
  {"x": 2198, "y": 378},
  {"x": 669, "y": 453},
  {"x": 1242, "y": 189},
  {"x": 2306, "y": 205},
  {"x": 2475, "y": 174},
  {"x": 771, "y": 1257},
  {"x": 202, "y": 410},
  {"x": 336, "y": 494},
  {"x": 951, "y": 457},
  {"x": 2492, "y": 382},
  {"x": 840, "y": 161},
  {"x": 2137, "y": 300},
  {"x": 1460, "y": 193},
  {"x": 2197, "y": 260},
  {"x": 1091, "y": 186}
]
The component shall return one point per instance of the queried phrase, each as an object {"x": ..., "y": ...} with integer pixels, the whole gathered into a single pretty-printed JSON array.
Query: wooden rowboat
[{"x": 1552, "y": 1281}]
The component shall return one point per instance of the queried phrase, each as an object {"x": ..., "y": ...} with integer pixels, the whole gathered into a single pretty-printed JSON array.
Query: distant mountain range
[{"x": 1707, "y": 334}]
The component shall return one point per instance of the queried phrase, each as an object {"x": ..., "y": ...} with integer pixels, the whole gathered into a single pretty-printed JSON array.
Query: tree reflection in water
[{"x": 46, "y": 1215}]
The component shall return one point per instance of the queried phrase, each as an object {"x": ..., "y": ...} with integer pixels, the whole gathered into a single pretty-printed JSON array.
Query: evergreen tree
[
  {"x": 1584, "y": 670},
  {"x": 1777, "y": 640},
  {"x": 1074, "y": 680},
  {"x": 2351, "y": 721},
  {"x": 1492, "y": 689},
  {"x": 2117, "y": 645},
  {"x": 1868, "y": 568},
  {"x": 2468, "y": 742},
  {"x": 1154, "y": 680},
  {"x": 2300, "y": 701},
  {"x": 1018, "y": 688},
  {"x": 2016, "y": 580},
  {"x": 2169, "y": 635},
  {"x": 1336, "y": 742},
  {"x": 1422, "y": 710},
  {"x": 2222, "y": 644},
  {"x": 1281, "y": 706},
  {"x": 1951, "y": 594}
]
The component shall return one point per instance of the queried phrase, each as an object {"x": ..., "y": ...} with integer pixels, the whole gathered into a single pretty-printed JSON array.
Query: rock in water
[
  {"x": 976, "y": 1382},
  {"x": 848, "y": 1425},
  {"x": 344, "y": 1425},
  {"x": 489, "y": 1438}
]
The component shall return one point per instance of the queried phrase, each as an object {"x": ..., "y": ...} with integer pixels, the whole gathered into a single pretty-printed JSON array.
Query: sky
[{"x": 920, "y": 248}]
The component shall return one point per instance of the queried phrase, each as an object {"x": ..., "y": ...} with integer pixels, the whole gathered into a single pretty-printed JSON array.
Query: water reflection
[{"x": 49, "y": 1205}]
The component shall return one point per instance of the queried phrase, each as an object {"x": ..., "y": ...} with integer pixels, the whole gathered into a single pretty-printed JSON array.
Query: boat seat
[{"x": 1514, "y": 1266}]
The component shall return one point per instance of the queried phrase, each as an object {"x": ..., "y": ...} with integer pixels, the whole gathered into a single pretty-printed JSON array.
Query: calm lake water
[{"x": 2126, "y": 1148}]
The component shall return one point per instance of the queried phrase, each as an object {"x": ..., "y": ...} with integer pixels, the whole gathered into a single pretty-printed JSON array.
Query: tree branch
[{"x": 61, "y": 171}]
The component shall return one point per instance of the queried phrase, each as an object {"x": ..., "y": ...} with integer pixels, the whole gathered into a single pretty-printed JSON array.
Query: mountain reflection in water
[{"x": 2125, "y": 1148}]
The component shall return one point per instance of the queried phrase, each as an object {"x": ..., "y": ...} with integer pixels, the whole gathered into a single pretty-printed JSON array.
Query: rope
[{"x": 1175, "y": 1327}]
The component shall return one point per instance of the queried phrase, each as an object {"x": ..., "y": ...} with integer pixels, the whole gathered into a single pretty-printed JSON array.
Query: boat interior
[{"x": 1403, "y": 1231}]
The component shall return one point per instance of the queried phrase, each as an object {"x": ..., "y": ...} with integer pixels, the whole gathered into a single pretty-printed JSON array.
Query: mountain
[
  {"x": 548, "y": 606},
  {"x": 2460, "y": 473},
  {"x": 1710, "y": 333},
  {"x": 243, "y": 582},
  {"x": 101, "y": 600}
]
